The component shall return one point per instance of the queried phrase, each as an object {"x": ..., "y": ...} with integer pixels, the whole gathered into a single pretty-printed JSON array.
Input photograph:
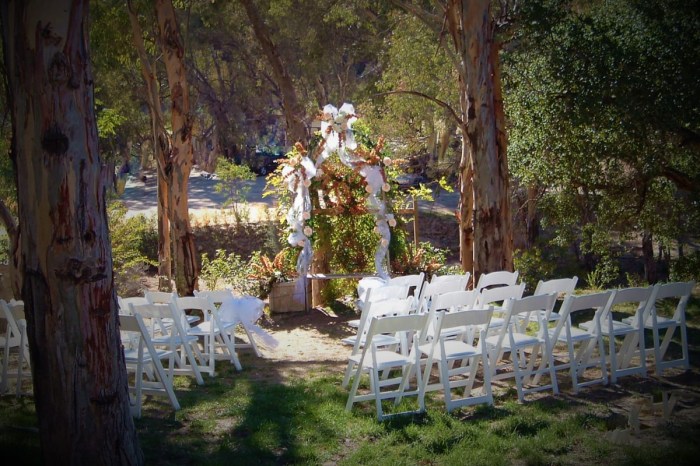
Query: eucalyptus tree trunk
[
  {"x": 12, "y": 230},
  {"x": 161, "y": 148},
  {"x": 80, "y": 381},
  {"x": 180, "y": 159},
  {"x": 484, "y": 166}
]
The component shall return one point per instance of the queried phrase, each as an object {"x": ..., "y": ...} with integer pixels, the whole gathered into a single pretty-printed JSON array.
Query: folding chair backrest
[
  {"x": 414, "y": 282},
  {"x": 160, "y": 316},
  {"x": 530, "y": 303},
  {"x": 124, "y": 303},
  {"x": 393, "y": 324},
  {"x": 197, "y": 303},
  {"x": 573, "y": 304},
  {"x": 489, "y": 296},
  {"x": 675, "y": 290},
  {"x": 386, "y": 292},
  {"x": 453, "y": 300},
  {"x": 460, "y": 278},
  {"x": 471, "y": 317},
  {"x": 162, "y": 297},
  {"x": 501, "y": 278},
  {"x": 638, "y": 296},
  {"x": 216, "y": 296},
  {"x": 561, "y": 286},
  {"x": 12, "y": 314}
]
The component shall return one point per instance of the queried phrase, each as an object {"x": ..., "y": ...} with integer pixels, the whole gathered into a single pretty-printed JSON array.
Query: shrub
[
  {"x": 686, "y": 268},
  {"x": 605, "y": 274},
  {"x": 134, "y": 247},
  {"x": 533, "y": 266},
  {"x": 227, "y": 270},
  {"x": 424, "y": 258}
]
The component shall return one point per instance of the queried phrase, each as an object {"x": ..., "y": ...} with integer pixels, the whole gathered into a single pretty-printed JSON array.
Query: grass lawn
[{"x": 246, "y": 418}]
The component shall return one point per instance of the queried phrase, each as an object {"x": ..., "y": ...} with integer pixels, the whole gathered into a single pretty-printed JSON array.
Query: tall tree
[
  {"x": 81, "y": 390},
  {"x": 161, "y": 147},
  {"x": 174, "y": 152},
  {"x": 486, "y": 242},
  {"x": 180, "y": 158}
]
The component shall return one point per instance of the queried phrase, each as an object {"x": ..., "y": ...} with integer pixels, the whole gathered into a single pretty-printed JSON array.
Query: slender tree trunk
[
  {"x": 650, "y": 270},
  {"x": 532, "y": 221},
  {"x": 161, "y": 147},
  {"x": 80, "y": 382},
  {"x": 181, "y": 157}
]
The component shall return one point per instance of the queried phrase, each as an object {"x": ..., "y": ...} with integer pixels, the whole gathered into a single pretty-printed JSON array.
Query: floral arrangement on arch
[{"x": 337, "y": 189}]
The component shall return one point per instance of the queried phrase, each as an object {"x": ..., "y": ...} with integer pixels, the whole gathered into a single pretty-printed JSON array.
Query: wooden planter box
[{"x": 285, "y": 298}]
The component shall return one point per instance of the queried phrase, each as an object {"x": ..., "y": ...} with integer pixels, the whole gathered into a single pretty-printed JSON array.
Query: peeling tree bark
[
  {"x": 181, "y": 156},
  {"x": 484, "y": 165},
  {"x": 80, "y": 387}
]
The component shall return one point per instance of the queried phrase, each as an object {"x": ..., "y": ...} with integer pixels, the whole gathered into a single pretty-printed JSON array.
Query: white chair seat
[
  {"x": 619, "y": 328},
  {"x": 379, "y": 340},
  {"x": 577, "y": 335},
  {"x": 520, "y": 340},
  {"x": 454, "y": 349},
  {"x": 384, "y": 360}
]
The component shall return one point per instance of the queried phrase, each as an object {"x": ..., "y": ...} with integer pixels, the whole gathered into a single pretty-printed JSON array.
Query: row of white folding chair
[
  {"x": 15, "y": 338},
  {"x": 167, "y": 329},
  {"x": 142, "y": 357},
  {"x": 218, "y": 298},
  {"x": 458, "y": 357}
]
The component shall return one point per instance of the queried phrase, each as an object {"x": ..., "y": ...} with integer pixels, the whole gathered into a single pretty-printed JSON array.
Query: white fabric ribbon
[{"x": 246, "y": 310}]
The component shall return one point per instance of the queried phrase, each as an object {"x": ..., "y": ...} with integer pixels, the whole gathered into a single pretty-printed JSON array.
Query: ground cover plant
[{"x": 288, "y": 408}]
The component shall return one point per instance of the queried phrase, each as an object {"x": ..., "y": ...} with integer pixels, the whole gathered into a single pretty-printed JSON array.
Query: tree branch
[{"x": 439, "y": 102}]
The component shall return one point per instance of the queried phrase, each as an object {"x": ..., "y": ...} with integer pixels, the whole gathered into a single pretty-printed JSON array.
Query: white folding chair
[
  {"x": 166, "y": 297},
  {"x": 586, "y": 349},
  {"x": 510, "y": 340},
  {"x": 167, "y": 327},
  {"x": 448, "y": 351},
  {"x": 493, "y": 279},
  {"x": 15, "y": 337},
  {"x": 562, "y": 287},
  {"x": 375, "y": 358},
  {"x": 382, "y": 308},
  {"x": 460, "y": 278},
  {"x": 676, "y": 296},
  {"x": 441, "y": 285},
  {"x": 214, "y": 333},
  {"x": 378, "y": 294},
  {"x": 143, "y": 359},
  {"x": 217, "y": 298},
  {"x": 449, "y": 302},
  {"x": 124, "y": 303},
  {"x": 632, "y": 334},
  {"x": 415, "y": 283},
  {"x": 497, "y": 298}
]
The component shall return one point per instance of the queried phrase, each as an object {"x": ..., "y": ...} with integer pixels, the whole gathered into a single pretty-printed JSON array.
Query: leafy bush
[
  {"x": 232, "y": 183},
  {"x": 605, "y": 274},
  {"x": 265, "y": 272},
  {"x": 533, "y": 266},
  {"x": 227, "y": 270},
  {"x": 686, "y": 268},
  {"x": 425, "y": 258},
  {"x": 134, "y": 247},
  {"x": 4, "y": 248}
]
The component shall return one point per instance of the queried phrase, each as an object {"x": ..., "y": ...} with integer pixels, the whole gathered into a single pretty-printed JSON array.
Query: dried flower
[
  {"x": 386, "y": 187},
  {"x": 387, "y": 161},
  {"x": 306, "y": 215},
  {"x": 308, "y": 231}
]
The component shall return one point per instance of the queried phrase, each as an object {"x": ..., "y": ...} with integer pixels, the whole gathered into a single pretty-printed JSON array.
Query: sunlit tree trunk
[
  {"x": 180, "y": 157},
  {"x": 80, "y": 382}
]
